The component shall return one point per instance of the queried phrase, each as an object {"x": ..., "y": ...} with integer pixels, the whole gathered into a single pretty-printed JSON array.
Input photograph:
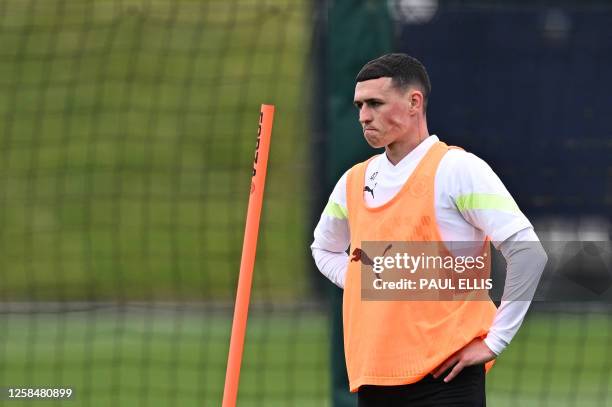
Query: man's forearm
[
  {"x": 332, "y": 265},
  {"x": 525, "y": 260}
]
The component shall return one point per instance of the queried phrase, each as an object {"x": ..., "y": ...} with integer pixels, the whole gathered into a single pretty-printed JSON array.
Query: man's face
[{"x": 384, "y": 112}]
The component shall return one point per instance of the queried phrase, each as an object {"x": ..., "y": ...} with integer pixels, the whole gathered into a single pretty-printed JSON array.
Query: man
[{"x": 420, "y": 353}]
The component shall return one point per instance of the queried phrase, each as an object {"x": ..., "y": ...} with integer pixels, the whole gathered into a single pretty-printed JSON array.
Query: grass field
[{"x": 165, "y": 356}]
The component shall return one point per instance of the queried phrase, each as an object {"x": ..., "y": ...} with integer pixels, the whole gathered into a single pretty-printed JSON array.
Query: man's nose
[{"x": 365, "y": 115}]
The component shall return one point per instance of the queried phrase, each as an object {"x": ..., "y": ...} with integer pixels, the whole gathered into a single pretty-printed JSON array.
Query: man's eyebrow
[{"x": 368, "y": 100}]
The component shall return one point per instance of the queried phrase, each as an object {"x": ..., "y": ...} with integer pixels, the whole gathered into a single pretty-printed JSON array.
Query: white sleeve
[
  {"x": 333, "y": 265},
  {"x": 481, "y": 198},
  {"x": 332, "y": 237},
  {"x": 525, "y": 260}
]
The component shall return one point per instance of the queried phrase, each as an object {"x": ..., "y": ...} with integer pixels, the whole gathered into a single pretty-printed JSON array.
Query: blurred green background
[
  {"x": 128, "y": 134},
  {"x": 128, "y": 131},
  {"x": 127, "y": 137}
]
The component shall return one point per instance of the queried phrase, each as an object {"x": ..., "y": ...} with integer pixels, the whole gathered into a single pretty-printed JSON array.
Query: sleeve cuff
[
  {"x": 509, "y": 230},
  {"x": 496, "y": 344}
]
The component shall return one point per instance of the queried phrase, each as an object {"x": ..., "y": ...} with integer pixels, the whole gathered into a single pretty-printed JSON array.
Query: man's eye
[{"x": 375, "y": 104}]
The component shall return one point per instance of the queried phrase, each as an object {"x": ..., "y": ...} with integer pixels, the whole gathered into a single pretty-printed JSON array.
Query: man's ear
[{"x": 416, "y": 101}]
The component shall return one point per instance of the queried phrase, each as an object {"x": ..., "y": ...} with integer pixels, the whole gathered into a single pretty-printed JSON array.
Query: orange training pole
[{"x": 249, "y": 247}]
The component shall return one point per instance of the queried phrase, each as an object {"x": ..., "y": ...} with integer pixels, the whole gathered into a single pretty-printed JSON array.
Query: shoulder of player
[
  {"x": 458, "y": 163},
  {"x": 338, "y": 195}
]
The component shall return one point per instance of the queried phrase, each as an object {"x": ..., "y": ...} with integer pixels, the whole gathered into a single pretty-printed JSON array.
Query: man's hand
[{"x": 474, "y": 353}]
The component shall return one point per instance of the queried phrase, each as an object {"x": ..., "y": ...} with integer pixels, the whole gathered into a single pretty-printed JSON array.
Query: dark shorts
[{"x": 467, "y": 389}]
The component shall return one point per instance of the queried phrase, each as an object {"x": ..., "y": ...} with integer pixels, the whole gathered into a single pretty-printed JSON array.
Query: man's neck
[{"x": 398, "y": 150}]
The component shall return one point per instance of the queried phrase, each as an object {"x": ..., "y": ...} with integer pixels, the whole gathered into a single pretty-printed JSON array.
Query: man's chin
[{"x": 375, "y": 143}]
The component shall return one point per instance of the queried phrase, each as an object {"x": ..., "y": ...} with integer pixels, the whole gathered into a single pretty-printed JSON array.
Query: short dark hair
[{"x": 403, "y": 70}]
